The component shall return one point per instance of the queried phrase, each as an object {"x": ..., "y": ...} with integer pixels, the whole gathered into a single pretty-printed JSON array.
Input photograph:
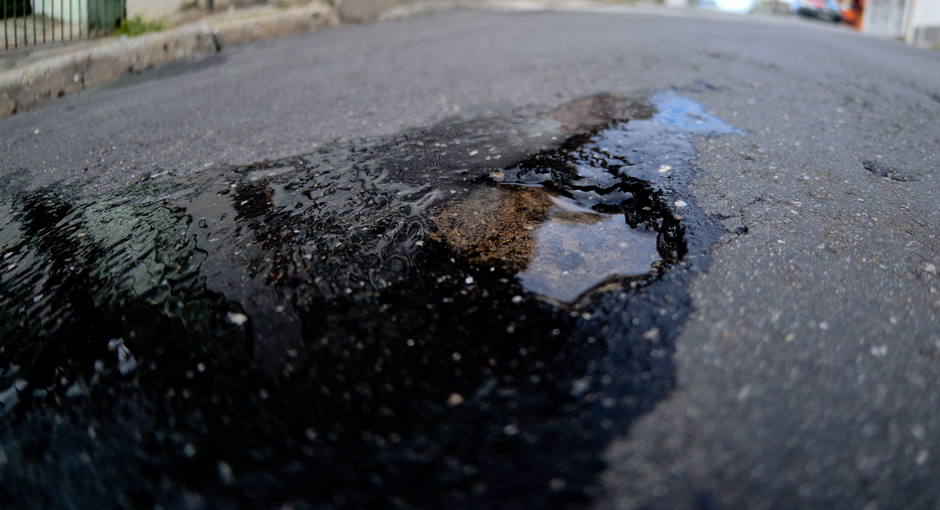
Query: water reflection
[
  {"x": 577, "y": 250},
  {"x": 76, "y": 272}
]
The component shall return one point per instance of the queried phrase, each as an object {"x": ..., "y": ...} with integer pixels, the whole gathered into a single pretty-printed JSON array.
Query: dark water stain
[{"x": 462, "y": 316}]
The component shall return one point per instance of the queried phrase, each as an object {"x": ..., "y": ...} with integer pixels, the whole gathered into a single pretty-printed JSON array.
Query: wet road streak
[{"x": 384, "y": 324}]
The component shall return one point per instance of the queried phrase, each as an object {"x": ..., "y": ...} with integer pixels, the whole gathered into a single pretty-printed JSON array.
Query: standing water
[{"x": 460, "y": 316}]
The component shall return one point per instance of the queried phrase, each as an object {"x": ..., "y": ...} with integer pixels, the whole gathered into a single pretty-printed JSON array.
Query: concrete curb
[
  {"x": 57, "y": 76},
  {"x": 294, "y": 21}
]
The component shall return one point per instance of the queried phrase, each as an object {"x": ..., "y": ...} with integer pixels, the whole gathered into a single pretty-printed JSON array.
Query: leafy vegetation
[{"x": 137, "y": 26}]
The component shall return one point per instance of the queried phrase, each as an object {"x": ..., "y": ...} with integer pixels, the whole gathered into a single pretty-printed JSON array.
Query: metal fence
[{"x": 34, "y": 22}]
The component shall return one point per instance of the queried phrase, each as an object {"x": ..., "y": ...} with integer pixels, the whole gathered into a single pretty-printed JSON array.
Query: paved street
[{"x": 800, "y": 365}]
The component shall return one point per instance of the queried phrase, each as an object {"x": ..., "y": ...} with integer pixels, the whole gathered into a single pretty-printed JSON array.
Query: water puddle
[
  {"x": 578, "y": 251},
  {"x": 460, "y": 315}
]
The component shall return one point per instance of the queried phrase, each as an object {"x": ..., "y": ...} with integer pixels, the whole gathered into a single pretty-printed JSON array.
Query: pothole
[
  {"x": 557, "y": 248},
  {"x": 458, "y": 316}
]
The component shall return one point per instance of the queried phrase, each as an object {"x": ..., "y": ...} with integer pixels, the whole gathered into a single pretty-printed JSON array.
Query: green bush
[{"x": 137, "y": 26}]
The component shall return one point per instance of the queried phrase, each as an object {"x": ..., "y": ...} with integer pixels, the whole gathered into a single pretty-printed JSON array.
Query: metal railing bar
[
  {"x": 35, "y": 22},
  {"x": 6, "y": 35}
]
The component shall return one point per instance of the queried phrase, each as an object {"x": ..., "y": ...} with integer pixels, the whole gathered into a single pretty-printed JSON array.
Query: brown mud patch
[{"x": 493, "y": 225}]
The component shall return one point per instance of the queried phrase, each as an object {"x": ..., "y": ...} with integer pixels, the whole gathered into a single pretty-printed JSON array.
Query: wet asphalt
[{"x": 803, "y": 370}]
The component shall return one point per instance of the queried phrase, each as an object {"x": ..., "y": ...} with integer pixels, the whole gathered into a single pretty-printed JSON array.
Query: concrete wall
[
  {"x": 923, "y": 27},
  {"x": 350, "y": 11},
  {"x": 152, "y": 10},
  {"x": 365, "y": 11},
  {"x": 925, "y": 13},
  {"x": 885, "y": 18}
]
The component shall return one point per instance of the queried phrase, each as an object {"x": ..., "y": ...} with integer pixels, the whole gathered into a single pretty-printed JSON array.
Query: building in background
[{"x": 915, "y": 21}]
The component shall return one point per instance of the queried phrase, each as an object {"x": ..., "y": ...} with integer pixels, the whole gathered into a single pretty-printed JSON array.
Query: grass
[{"x": 136, "y": 26}]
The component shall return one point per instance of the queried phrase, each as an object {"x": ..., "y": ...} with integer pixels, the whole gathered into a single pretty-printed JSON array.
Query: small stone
[
  {"x": 651, "y": 335},
  {"x": 225, "y": 473},
  {"x": 580, "y": 386},
  {"x": 455, "y": 399},
  {"x": 557, "y": 484},
  {"x": 237, "y": 318}
]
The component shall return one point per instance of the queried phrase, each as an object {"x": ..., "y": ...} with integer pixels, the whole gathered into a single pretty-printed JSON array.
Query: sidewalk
[{"x": 31, "y": 76}]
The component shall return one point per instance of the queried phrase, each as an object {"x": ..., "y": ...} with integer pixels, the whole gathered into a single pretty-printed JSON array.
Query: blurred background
[{"x": 28, "y": 23}]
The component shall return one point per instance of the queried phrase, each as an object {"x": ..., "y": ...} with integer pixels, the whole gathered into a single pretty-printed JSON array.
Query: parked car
[{"x": 824, "y": 9}]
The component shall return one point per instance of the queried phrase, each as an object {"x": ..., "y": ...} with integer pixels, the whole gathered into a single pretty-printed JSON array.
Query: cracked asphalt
[{"x": 808, "y": 370}]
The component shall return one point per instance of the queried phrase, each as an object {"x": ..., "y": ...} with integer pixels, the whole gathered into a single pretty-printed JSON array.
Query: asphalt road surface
[{"x": 797, "y": 306}]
